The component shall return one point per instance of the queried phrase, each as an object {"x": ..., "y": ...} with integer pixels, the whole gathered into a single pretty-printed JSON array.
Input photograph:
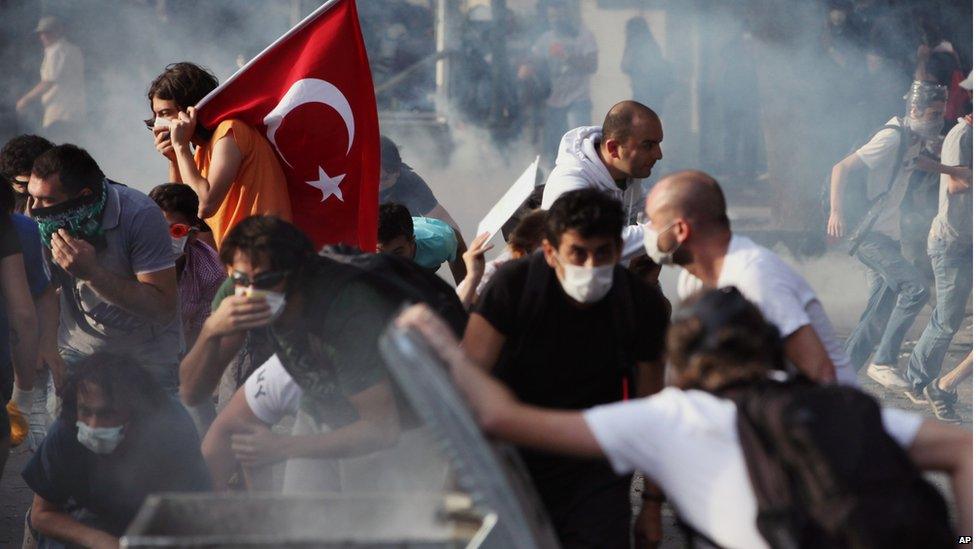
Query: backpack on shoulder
[
  {"x": 860, "y": 211},
  {"x": 826, "y": 474}
]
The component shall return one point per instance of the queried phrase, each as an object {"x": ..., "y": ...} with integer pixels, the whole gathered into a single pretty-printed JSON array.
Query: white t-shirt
[
  {"x": 954, "y": 222},
  {"x": 784, "y": 297},
  {"x": 64, "y": 67},
  {"x": 879, "y": 155},
  {"x": 687, "y": 443},
  {"x": 271, "y": 392}
]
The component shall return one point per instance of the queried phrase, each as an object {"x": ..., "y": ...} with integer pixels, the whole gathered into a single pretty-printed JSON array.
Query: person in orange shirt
[{"x": 234, "y": 170}]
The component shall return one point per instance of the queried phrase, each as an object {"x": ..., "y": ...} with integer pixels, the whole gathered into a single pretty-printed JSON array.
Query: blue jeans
[
  {"x": 953, "y": 270},
  {"x": 560, "y": 120},
  {"x": 897, "y": 293}
]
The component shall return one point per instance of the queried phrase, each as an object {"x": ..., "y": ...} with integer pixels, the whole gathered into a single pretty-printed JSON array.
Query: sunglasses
[{"x": 262, "y": 281}]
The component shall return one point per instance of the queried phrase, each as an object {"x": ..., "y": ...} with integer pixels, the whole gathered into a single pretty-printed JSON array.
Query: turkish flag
[{"x": 311, "y": 94}]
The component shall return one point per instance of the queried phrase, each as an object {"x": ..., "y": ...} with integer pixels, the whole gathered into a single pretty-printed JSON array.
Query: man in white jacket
[{"x": 609, "y": 158}]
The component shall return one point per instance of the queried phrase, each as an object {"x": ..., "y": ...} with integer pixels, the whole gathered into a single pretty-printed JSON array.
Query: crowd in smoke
[{"x": 158, "y": 341}]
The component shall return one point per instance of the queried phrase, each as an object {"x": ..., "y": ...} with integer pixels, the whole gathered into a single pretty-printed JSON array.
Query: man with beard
[{"x": 689, "y": 227}]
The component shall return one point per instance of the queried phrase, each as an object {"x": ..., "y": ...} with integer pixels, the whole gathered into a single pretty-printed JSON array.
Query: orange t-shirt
[{"x": 259, "y": 188}]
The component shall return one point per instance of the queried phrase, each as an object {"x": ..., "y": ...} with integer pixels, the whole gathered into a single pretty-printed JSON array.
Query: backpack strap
[
  {"x": 874, "y": 208},
  {"x": 533, "y": 298}
]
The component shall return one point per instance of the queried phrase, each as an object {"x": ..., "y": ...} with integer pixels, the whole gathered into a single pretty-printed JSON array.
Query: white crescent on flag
[
  {"x": 309, "y": 90},
  {"x": 313, "y": 90}
]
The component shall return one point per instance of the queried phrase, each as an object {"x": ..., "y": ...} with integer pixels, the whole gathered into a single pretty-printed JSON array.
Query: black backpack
[{"x": 827, "y": 474}]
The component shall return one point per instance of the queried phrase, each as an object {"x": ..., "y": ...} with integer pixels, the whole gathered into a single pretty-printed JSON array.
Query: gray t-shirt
[
  {"x": 137, "y": 242},
  {"x": 954, "y": 222},
  {"x": 880, "y": 155}
]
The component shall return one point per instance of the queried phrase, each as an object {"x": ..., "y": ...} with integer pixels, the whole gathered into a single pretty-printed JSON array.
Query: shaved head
[
  {"x": 692, "y": 195},
  {"x": 624, "y": 116}
]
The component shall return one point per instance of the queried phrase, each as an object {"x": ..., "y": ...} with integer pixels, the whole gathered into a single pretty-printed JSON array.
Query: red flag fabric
[{"x": 311, "y": 94}]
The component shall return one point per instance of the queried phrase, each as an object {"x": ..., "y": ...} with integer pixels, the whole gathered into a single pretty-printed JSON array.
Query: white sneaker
[{"x": 888, "y": 376}]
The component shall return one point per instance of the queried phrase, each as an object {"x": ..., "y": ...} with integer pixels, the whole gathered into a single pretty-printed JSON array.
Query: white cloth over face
[
  {"x": 578, "y": 166},
  {"x": 784, "y": 297},
  {"x": 687, "y": 443}
]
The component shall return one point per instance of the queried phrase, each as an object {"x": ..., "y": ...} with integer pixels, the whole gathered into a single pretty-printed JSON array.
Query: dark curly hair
[
  {"x": 590, "y": 212},
  {"x": 394, "y": 221},
  {"x": 718, "y": 337},
  {"x": 18, "y": 155},
  {"x": 186, "y": 84},
  {"x": 179, "y": 198},
  {"x": 125, "y": 383},
  {"x": 285, "y": 245}
]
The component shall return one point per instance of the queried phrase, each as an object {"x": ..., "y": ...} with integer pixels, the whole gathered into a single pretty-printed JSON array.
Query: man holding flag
[{"x": 309, "y": 98}]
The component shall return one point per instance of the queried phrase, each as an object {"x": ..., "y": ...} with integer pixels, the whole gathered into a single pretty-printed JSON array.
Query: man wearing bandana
[{"x": 110, "y": 252}]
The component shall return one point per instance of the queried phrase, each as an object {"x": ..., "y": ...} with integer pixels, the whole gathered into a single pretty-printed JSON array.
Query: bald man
[
  {"x": 689, "y": 227},
  {"x": 609, "y": 158}
]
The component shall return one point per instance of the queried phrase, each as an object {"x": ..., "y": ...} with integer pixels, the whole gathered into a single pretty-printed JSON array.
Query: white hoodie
[{"x": 578, "y": 166}]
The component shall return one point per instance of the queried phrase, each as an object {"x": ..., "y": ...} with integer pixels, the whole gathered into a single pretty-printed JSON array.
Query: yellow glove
[{"x": 19, "y": 426}]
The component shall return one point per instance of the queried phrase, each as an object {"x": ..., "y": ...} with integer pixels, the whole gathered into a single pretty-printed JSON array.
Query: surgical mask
[
  {"x": 925, "y": 128},
  {"x": 657, "y": 255},
  {"x": 179, "y": 244},
  {"x": 101, "y": 440},
  {"x": 276, "y": 300},
  {"x": 586, "y": 284}
]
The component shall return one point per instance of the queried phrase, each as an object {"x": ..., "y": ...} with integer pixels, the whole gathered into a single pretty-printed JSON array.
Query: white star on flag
[{"x": 328, "y": 185}]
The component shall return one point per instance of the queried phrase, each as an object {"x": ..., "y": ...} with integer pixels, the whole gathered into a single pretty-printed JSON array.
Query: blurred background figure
[
  {"x": 61, "y": 90},
  {"x": 650, "y": 74}
]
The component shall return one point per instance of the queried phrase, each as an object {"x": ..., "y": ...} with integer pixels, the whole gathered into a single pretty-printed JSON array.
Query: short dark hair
[
  {"x": 179, "y": 198},
  {"x": 76, "y": 169},
  {"x": 185, "y": 83},
  {"x": 19, "y": 154},
  {"x": 528, "y": 234},
  {"x": 620, "y": 120},
  {"x": 590, "y": 212},
  {"x": 124, "y": 381},
  {"x": 394, "y": 220},
  {"x": 285, "y": 245},
  {"x": 390, "y": 159}
]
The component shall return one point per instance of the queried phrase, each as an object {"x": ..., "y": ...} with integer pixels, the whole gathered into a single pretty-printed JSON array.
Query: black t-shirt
[
  {"x": 160, "y": 453},
  {"x": 559, "y": 355},
  {"x": 572, "y": 357},
  {"x": 411, "y": 191}
]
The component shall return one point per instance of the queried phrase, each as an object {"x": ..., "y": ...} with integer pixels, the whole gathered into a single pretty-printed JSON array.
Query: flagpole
[{"x": 302, "y": 24}]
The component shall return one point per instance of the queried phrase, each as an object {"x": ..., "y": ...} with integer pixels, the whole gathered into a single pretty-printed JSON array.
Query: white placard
[{"x": 510, "y": 201}]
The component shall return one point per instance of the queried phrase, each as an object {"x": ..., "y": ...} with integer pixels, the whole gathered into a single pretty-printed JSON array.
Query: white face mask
[
  {"x": 925, "y": 128},
  {"x": 161, "y": 122},
  {"x": 101, "y": 440},
  {"x": 276, "y": 300},
  {"x": 586, "y": 284},
  {"x": 179, "y": 244},
  {"x": 651, "y": 236}
]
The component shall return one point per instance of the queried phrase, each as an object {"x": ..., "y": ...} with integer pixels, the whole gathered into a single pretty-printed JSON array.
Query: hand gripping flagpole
[{"x": 326, "y": 6}]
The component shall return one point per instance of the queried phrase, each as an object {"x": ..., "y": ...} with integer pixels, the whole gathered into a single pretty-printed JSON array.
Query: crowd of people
[{"x": 153, "y": 342}]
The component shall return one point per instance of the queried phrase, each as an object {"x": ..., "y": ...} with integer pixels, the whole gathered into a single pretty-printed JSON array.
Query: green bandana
[{"x": 80, "y": 216}]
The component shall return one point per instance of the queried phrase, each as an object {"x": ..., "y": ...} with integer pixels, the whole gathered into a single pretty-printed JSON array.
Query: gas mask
[
  {"x": 657, "y": 255},
  {"x": 586, "y": 284},
  {"x": 920, "y": 98},
  {"x": 101, "y": 440}
]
